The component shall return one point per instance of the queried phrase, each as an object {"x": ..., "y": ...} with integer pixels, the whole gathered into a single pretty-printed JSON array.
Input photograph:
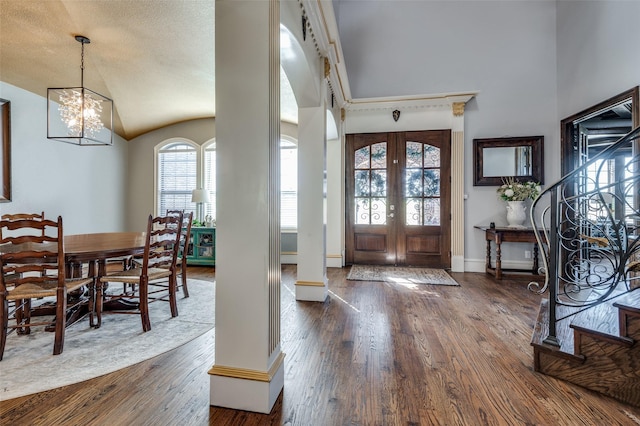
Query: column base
[
  {"x": 457, "y": 263},
  {"x": 241, "y": 393},
  {"x": 334, "y": 261},
  {"x": 312, "y": 291}
]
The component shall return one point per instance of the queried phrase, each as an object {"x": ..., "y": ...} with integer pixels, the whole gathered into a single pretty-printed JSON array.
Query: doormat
[{"x": 400, "y": 274}]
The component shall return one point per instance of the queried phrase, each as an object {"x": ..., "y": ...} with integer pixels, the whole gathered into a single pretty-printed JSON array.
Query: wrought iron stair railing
[{"x": 588, "y": 226}]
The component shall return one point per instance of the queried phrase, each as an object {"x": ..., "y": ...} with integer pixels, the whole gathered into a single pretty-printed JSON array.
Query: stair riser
[
  {"x": 631, "y": 326},
  {"x": 613, "y": 370}
]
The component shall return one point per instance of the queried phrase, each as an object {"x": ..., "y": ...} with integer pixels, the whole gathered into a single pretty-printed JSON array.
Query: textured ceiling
[{"x": 155, "y": 59}]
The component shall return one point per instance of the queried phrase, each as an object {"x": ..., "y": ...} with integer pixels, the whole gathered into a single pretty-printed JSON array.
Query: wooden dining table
[{"x": 94, "y": 250}]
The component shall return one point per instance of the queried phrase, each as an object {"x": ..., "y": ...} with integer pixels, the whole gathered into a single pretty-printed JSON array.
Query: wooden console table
[{"x": 512, "y": 235}]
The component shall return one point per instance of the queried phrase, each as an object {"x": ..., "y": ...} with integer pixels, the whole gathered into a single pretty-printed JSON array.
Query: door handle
[{"x": 391, "y": 215}]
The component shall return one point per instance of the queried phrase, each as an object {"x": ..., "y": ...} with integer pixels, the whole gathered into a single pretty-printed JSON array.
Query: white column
[
  {"x": 311, "y": 282},
  {"x": 457, "y": 187},
  {"x": 335, "y": 203},
  {"x": 248, "y": 373}
]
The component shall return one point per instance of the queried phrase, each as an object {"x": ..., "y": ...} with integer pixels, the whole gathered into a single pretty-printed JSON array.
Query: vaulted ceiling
[{"x": 155, "y": 59}]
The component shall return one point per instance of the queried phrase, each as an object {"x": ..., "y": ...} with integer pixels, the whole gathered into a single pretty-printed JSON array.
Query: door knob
[{"x": 391, "y": 215}]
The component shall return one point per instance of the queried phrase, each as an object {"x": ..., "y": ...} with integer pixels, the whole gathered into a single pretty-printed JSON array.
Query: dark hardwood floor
[{"x": 372, "y": 354}]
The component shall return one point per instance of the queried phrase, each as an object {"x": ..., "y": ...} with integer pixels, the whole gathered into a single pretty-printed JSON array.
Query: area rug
[
  {"x": 401, "y": 275},
  {"x": 28, "y": 365}
]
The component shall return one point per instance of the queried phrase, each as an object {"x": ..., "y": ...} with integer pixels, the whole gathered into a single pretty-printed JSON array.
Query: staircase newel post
[{"x": 554, "y": 253}]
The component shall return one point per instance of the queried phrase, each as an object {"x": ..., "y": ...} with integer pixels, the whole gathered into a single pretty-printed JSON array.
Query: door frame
[
  {"x": 567, "y": 127},
  {"x": 401, "y": 233}
]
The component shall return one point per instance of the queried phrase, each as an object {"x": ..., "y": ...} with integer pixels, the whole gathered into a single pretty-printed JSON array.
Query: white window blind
[
  {"x": 177, "y": 177},
  {"x": 210, "y": 179}
]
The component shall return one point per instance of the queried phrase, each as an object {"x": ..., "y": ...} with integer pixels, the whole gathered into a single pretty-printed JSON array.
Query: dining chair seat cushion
[
  {"x": 44, "y": 289},
  {"x": 132, "y": 276}
]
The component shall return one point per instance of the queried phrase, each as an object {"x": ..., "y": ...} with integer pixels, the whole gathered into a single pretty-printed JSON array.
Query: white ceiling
[{"x": 154, "y": 58}]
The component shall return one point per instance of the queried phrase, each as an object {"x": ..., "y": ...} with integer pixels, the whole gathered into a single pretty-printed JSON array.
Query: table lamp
[{"x": 200, "y": 196}]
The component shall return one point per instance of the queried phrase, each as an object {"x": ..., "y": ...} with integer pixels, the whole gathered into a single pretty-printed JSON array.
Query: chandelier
[{"x": 78, "y": 115}]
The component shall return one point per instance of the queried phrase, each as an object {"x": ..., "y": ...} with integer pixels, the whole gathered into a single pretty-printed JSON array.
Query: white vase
[{"x": 516, "y": 214}]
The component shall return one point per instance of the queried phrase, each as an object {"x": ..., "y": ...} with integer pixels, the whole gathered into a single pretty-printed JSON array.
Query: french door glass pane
[
  {"x": 431, "y": 183},
  {"x": 363, "y": 158},
  {"x": 431, "y": 156},
  {"x": 414, "y": 211},
  {"x": 422, "y": 184},
  {"x": 379, "y": 156},
  {"x": 371, "y": 211},
  {"x": 362, "y": 187},
  {"x": 378, "y": 183},
  {"x": 432, "y": 211},
  {"x": 414, "y": 154},
  {"x": 413, "y": 182},
  {"x": 424, "y": 212},
  {"x": 370, "y": 184}
]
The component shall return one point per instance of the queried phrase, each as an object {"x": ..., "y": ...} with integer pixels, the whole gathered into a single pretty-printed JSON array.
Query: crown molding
[{"x": 437, "y": 101}]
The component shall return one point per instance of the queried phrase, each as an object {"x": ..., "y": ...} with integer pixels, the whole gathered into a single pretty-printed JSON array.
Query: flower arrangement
[{"x": 511, "y": 190}]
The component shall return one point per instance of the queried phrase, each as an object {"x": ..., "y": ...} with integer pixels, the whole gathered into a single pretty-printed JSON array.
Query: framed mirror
[
  {"x": 5, "y": 150},
  {"x": 520, "y": 158}
]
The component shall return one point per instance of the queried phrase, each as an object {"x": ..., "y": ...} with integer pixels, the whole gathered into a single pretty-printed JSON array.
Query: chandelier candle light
[{"x": 78, "y": 115}]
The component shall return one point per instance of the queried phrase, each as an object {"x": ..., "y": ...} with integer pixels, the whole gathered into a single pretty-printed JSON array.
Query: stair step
[
  {"x": 601, "y": 319},
  {"x": 564, "y": 333},
  {"x": 630, "y": 302},
  {"x": 628, "y": 307}
]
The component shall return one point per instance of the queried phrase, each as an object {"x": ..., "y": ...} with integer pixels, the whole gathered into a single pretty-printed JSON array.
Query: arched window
[{"x": 177, "y": 167}]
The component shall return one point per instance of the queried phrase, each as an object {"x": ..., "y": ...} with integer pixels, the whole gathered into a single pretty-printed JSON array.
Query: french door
[{"x": 398, "y": 198}]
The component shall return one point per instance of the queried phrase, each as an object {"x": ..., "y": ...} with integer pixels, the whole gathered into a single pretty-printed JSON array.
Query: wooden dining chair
[
  {"x": 32, "y": 254},
  {"x": 185, "y": 238},
  {"x": 154, "y": 279},
  {"x": 19, "y": 216}
]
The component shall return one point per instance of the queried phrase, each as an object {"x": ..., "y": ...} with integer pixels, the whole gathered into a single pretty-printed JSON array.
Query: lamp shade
[{"x": 200, "y": 196}]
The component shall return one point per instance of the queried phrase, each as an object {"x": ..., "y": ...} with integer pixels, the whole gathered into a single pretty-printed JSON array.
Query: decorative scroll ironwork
[{"x": 587, "y": 226}]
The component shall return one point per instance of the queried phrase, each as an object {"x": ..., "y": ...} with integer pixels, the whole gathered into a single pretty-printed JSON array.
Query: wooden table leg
[
  {"x": 487, "y": 266},
  {"x": 498, "y": 259}
]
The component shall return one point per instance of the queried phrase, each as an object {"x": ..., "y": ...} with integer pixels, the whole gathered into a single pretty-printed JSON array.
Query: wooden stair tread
[
  {"x": 630, "y": 302},
  {"x": 602, "y": 319},
  {"x": 563, "y": 332}
]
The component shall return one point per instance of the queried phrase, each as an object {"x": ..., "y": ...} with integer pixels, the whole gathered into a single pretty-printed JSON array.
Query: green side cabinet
[{"x": 201, "y": 249}]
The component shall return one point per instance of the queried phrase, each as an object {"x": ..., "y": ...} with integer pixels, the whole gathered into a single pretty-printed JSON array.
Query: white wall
[
  {"x": 86, "y": 185},
  {"x": 504, "y": 50},
  {"x": 598, "y": 52}
]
